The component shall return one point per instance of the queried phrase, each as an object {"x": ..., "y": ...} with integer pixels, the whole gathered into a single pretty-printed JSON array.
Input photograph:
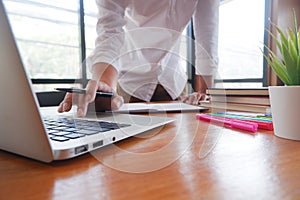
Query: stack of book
[{"x": 239, "y": 99}]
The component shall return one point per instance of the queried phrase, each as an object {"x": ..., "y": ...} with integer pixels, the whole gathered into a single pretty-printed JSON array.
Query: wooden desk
[{"x": 188, "y": 159}]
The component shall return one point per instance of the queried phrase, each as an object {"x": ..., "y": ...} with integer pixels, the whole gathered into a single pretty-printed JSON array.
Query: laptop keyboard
[{"x": 64, "y": 129}]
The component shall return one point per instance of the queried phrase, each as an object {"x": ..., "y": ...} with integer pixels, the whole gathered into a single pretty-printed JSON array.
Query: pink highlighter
[{"x": 229, "y": 123}]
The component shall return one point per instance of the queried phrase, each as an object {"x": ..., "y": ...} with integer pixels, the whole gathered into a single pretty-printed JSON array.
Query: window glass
[
  {"x": 241, "y": 39},
  {"x": 47, "y": 35},
  {"x": 90, "y": 19}
]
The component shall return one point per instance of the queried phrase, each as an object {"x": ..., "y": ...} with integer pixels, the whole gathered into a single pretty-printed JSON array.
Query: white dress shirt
[{"x": 141, "y": 39}]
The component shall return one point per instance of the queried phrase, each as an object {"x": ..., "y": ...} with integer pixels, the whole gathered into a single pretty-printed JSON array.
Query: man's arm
[
  {"x": 205, "y": 24},
  {"x": 108, "y": 43},
  {"x": 110, "y": 33},
  {"x": 202, "y": 83},
  {"x": 206, "y": 31}
]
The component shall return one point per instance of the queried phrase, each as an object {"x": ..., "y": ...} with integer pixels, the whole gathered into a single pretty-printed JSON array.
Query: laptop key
[
  {"x": 60, "y": 133},
  {"x": 62, "y": 128},
  {"x": 52, "y": 131},
  {"x": 74, "y": 135},
  {"x": 59, "y": 138},
  {"x": 70, "y": 129}
]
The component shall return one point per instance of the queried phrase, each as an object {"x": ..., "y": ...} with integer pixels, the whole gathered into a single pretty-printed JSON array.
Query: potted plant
[{"x": 285, "y": 100}]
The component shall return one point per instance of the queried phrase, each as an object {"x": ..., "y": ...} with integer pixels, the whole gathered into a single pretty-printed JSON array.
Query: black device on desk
[
  {"x": 102, "y": 101},
  {"x": 83, "y": 91}
]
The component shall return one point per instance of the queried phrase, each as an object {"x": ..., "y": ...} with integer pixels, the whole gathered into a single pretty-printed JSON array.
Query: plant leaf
[
  {"x": 298, "y": 70},
  {"x": 283, "y": 38},
  {"x": 290, "y": 64},
  {"x": 298, "y": 37},
  {"x": 278, "y": 67},
  {"x": 280, "y": 70},
  {"x": 276, "y": 40},
  {"x": 292, "y": 45},
  {"x": 296, "y": 30}
]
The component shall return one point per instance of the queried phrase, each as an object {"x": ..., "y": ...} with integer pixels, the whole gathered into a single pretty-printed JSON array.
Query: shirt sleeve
[
  {"x": 110, "y": 34},
  {"x": 206, "y": 28}
]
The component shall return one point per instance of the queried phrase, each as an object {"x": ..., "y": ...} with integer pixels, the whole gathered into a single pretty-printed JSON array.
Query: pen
[
  {"x": 263, "y": 123},
  {"x": 83, "y": 91},
  {"x": 234, "y": 123},
  {"x": 243, "y": 114},
  {"x": 242, "y": 117}
]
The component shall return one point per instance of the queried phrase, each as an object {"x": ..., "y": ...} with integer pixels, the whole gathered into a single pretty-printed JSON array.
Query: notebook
[
  {"x": 29, "y": 131},
  {"x": 158, "y": 108}
]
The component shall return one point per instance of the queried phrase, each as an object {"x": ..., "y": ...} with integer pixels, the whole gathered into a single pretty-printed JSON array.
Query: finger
[
  {"x": 91, "y": 89},
  {"x": 190, "y": 99},
  {"x": 66, "y": 104},
  {"x": 183, "y": 98},
  {"x": 82, "y": 106},
  {"x": 199, "y": 97},
  {"x": 117, "y": 102},
  {"x": 196, "y": 100}
]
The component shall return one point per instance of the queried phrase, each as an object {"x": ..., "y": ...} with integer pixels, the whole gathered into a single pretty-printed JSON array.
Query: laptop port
[
  {"x": 98, "y": 144},
  {"x": 81, "y": 149}
]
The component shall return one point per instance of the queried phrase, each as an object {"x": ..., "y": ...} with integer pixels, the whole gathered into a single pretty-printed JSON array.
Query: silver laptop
[{"x": 27, "y": 132}]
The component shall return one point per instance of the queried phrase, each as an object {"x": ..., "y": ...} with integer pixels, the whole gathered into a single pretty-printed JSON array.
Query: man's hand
[
  {"x": 83, "y": 100},
  {"x": 194, "y": 98},
  {"x": 104, "y": 79},
  {"x": 201, "y": 84}
]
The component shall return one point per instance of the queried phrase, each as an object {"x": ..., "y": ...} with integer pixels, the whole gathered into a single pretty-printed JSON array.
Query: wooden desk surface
[{"x": 188, "y": 159}]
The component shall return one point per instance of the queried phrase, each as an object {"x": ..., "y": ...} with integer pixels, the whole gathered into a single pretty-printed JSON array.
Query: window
[
  {"x": 241, "y": 40},
  {"x": 54, "y": 38},
  {"x": 49, "y": 39}
]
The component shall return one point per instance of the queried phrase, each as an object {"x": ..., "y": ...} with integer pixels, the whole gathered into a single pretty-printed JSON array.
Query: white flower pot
[{"x": 285, "y": 108}]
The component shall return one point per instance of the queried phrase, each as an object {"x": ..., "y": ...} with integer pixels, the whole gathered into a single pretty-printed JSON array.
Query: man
[{"x": 137, "y": 51}]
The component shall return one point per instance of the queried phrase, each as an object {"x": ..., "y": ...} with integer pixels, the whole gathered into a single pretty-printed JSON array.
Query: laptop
[{"x": 27, "y": 131}]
